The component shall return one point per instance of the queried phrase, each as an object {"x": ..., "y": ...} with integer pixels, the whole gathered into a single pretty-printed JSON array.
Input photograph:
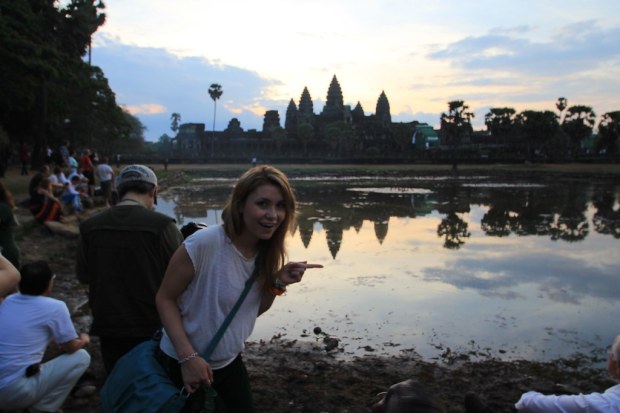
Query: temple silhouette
[{"x": 337, "y": 131}]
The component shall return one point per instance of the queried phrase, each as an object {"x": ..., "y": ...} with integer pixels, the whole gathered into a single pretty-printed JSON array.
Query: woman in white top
[{"x": 205, "y": 277}]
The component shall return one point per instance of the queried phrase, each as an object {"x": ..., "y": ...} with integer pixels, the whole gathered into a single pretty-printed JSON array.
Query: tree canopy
[{"x": 49, "y": 92}]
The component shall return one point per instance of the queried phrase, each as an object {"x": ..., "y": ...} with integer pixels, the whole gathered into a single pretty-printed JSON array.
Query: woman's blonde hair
[{"x": 273, "y": 250}]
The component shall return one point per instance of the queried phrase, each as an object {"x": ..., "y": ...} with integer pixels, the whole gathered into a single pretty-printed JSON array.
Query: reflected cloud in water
[
  {"x": 520, "y": 269},
  {"x": 559, "y": 278}
]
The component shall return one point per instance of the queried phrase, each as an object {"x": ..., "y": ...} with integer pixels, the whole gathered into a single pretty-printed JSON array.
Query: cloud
[
  {"x": 152, "y": 83},
  {"x": 578, "y": 47},
  {"x": 523, "y": 66},
  {"x": 145, "y": 109}
]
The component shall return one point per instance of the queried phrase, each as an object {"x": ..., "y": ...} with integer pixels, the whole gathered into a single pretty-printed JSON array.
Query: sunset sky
[{"x": 161, "y": 56}]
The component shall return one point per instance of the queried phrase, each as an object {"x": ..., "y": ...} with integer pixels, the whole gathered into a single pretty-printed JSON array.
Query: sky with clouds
[{"x": 161, "y": 57}]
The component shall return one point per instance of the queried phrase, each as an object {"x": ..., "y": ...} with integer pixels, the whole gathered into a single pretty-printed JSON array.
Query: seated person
[
  {"x": 44, "y": 172},
  {"x": 81, "y": 185},
  {"x": 58, "y": 180},
  {"x": 407, "y": 397},
  {"x": 29, "y": 320},
  {"x": 535, "y": 402},
  {"x": 44, "y": 205},
  {"x": 71, "y": 197}
]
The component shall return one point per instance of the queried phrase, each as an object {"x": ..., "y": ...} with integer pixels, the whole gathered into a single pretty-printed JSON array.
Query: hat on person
[{"x": 136, "y": 173}]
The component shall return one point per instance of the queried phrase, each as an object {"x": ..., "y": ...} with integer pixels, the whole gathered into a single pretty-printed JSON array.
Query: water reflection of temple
[{"x": 558, "y": 212}]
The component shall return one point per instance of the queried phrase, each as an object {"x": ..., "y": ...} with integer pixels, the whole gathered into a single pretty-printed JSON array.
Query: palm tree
[
  {"x": 215, "y": 91},
  {"x": 175, "y": 118},
  {"x": 561, "y": 104}
]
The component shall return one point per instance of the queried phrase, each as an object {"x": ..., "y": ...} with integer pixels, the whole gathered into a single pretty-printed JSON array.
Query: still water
[{"x": 491, "y": 267}]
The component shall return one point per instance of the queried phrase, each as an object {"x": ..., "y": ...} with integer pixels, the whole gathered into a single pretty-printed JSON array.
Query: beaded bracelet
[
  {"x": 276, "y": 291},
  {"x": 279, "y": 284},
  {"x": 278, "y": 288},
  {"x": 188, "y": 358}
]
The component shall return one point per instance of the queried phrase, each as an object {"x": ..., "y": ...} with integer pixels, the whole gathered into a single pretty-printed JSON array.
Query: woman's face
[{"x": 263, "y": 212}]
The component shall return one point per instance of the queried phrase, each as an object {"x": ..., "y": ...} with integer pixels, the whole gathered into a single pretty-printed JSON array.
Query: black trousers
[{"x": 232, "y": 383}]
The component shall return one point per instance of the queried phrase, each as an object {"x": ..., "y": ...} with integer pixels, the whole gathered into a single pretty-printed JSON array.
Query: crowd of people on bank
[
  {"x": 68, "y": 184},
  {"x": 146, "y": 276}
]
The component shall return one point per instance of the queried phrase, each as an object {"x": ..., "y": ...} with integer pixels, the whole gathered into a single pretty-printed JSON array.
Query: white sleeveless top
[{"x": 221, "y": 272}]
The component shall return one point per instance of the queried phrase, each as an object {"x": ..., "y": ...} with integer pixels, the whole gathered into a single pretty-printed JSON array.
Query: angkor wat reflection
[
  {"x": 557, "y": 211},
  {"x": 424, "y": 263}
]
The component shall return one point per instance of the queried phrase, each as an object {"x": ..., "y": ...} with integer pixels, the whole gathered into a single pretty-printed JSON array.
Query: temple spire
[
  {"x": 383, "y": 110},
  {"x": 334, "y": 106}
]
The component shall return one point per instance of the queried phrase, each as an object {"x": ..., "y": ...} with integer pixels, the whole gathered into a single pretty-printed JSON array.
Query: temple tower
[
  {"x": 383, "y": 111},
  {"x": 334, "y": 106},
  {"x": 270, "y": 122},
  {"x": 358, "y": 114},
  {"x": 305, "y": 113},
  {"x": 290, "y": 123}
]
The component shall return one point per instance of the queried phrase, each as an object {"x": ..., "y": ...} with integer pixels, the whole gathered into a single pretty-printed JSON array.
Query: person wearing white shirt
[
  {"x": 58, "y": 180},
  {"x": 535, "y": 402},
  {"x": 71, "y": 196},
  {"x": 606, "y": 402},
  {"x": 105, "y": 173},
  {"x": 29, "y": 321}
]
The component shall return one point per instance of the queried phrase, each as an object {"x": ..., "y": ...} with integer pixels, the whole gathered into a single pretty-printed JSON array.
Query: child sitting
[{"x": 71, "y": 196}]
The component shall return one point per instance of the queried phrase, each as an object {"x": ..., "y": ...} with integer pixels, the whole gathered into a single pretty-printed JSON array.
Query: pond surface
[{"x": 504, "y": 268}]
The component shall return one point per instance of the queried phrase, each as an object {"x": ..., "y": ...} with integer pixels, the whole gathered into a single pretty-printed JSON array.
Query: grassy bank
[{"x": 574, "y": 168}]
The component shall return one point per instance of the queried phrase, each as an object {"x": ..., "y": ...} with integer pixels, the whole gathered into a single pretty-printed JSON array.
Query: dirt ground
[{"x": 295, "y": 376}]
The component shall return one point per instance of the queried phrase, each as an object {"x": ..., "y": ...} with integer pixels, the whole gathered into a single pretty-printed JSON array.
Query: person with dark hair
[
  {"x": 88, "y": 170},
  {"x": 29, "y": 320},
  {"x": 58, "y": 180},
  {"x": 44, "y": 172},
  {"x": 123, "y": 253},
  {"x": 63, "y": 151},
  {"x": 71, "y": 196},
  {"x": 44, "y": 205},
  {"x": 407, "y": 396},
  {"x": 105, "y": 173},
  {"x": 206, "y": 276},
  {"x": 72, "y": 162},
  {"x": 191, "y": 227}
]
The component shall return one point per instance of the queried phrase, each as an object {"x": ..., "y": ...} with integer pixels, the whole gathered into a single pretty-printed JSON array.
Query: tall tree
[
  {"x": 455, "y": 125},
  {"x": 215, "y": 91},
  {"x": 539, "y": 130},
  {"x": 402, "y": 134},
  {"x": 175, "y": 119},
  {"x": 501, "y": 123},
  {"x": 41, "y": 67},
  {"x": 578, "y": 124},
  {"x": 609, "y": 133},
  {"x": 561, "y": 104}
]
